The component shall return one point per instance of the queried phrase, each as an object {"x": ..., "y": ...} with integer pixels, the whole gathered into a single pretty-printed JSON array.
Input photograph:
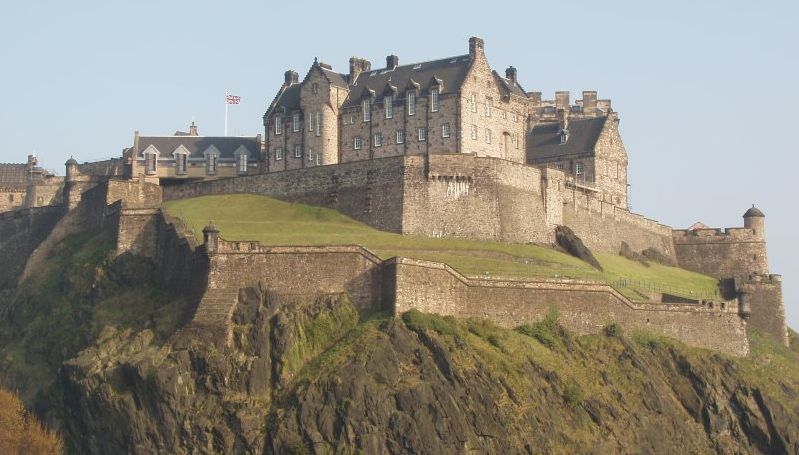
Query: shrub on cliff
[{"x": 21, "y": 432}]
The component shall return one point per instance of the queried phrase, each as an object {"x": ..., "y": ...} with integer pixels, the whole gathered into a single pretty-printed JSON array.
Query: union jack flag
[{"x": 233, "y": 99}]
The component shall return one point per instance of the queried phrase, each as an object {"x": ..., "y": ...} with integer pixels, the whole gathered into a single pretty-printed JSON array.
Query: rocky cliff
[{"x": 101, "y": 354}]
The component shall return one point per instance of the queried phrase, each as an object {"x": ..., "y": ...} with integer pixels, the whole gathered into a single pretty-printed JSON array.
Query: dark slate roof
[
  {"x": 339, "y": 80},
  {"x": 449, "y": 71},
  {"x": 13, "y": 175},
  {"x": 288, "y": 99},
  {"x": 544, "y": 141},
  {"x": 753, "y": 212},
  {"x": 514, "y": 89},
  {"x": 198, "y": 144}
]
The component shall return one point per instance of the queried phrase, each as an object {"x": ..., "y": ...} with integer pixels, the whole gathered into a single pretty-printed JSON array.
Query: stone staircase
[{"x": 213, "y": 315}]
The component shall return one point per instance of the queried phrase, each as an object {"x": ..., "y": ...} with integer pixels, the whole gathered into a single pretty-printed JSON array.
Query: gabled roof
[
  {"x": 543, "y": 143},
  {"x": 286, "y": 100},
  {"x": 513, "y": 88},
  {"x": 196, "y": 145},
  {"x": 13, "y": 175},
  {"x": 449, "y": 71}
]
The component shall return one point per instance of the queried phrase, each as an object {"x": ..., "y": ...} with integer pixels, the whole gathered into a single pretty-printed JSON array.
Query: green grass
[{"x": 273, "y": 222}]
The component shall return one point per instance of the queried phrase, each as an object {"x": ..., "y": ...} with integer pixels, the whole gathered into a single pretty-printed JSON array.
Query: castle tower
[{"x": 755, "y": 220}]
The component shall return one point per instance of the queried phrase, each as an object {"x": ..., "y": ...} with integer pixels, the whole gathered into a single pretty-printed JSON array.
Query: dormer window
[
  {"x": 366, "y": 106},
  {"x": 434, "y": 100},
  {"x": 211, "y": 157},
  {"x": 241, "y": 162},
  {"x": 181, "y": 162},
  {"x": 150, "y": 160},
  {"x": 564, "y": 136},
  {"x": 278, "y": 125},
  {"x": 411, "y": 102}
]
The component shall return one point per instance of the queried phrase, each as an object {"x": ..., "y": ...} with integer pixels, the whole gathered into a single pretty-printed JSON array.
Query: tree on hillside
[{"x": 21, "y": 432}]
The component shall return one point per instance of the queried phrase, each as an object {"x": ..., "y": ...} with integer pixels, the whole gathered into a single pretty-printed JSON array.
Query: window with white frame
[
  {"x": 311, "y": 155},
  {"x": 366, "y": 106},
  {"x": 242, "y": 162},
  {"x": 310, "y": 121},
  {"x": 516, "y": 140},
  {"x": 400, "y": 136},
  {"x": 318, "y": 124},
  {"x": 578, "y": 168},
  {"x": 295, "y": 122},
  {"x": 378, "y": 139},
  {"x": 181, "y": 162},
  {"x": 411, "y": 101},
  {"x": 150, "y": 162},
  {"x": 434, "y": 100},
  {"x": 445, "y": 130},
  {"x": 389, "y": 102},
  {"x": 357, "y": 143},
  {"x": 278, "y": 153},
  {"x": 489, "y": 106},
  {"x": 297, "y": 151},
  {"x": 474, "y": 132},
  {"x": 278, "y": 125},
  {"x": 421, "y": 134},
  {"x": 488, "y": 136},
  {"x": 473, "y": 101}
]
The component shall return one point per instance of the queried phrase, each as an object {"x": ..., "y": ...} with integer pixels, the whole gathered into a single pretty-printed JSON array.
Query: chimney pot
[
  {"x": 357, "y": 66},
  {"x": 392, "y": 61},
  {"x": 291, "y": 77},
  {"x": 510, "y": 74}
]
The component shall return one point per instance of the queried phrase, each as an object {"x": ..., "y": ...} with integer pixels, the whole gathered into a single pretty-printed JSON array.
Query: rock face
[
  {"x": 307, "y": 374},
  {"x": 568, "y": 240}
]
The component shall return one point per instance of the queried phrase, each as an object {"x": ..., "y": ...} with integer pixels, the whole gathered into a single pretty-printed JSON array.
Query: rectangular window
[
  {"x": 310, "y": 121},
  {"x": 434, "y": 101},
  {"x": 295, "y": 122},
  {"x": 278, "y": 153},
  {"x": 503, "y": 114},
  {"x": 211, "y": 163},
  {"x": 310, "y": 154},
  {"x": 578, "y": 168},
  {"x": 421, "y": 134},
  {"x": 318, "y": 124},
  {"x": 411, "y": 100},
  {"x": 151, "y": 159},
  {"x": 357, "y": 143},
  {"x": 473, "y": 101},
  {"x": 180, "y": 162},
  {"x": 378, "y": 139},
  {"x": 315, "y": 88},
  {"x": 400, "y": 136},
  {"x": 242, "y": 162},
  {"x": 489, "y": 106},
  {"x": 445, "y": 130},
  {"x": 389, "y": 102},
  {"x": 488, "y": 136},
  {"x": 366, "y": 106},
  {"x": 516, "y": 140},
  {"x": 515, "y": 116},
  {"x": 298, "y": 151},
  {"x": 474, "y": 132},
  {"x": 278, "y": 125}
]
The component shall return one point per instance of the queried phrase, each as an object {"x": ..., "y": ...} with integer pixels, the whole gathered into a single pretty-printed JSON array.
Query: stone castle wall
[
  {"x": 11, "y": 198},
  {"x": 763, "y": 295},
  {"x": 732, "y": 252},
  {"x": 583, "y": 307},
  {"x": 603, "y": 226}
]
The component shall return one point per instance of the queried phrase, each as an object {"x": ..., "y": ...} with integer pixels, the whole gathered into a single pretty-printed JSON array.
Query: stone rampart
[
  {"x": 603, "y": 226},
  {"x": 762, "y": 294},
  {"x": 584, "y": 307},
  {"x": 722, "y": 253}
]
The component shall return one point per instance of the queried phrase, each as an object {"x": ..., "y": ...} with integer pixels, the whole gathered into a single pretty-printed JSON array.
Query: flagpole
[{"x": 226, "y": 95}]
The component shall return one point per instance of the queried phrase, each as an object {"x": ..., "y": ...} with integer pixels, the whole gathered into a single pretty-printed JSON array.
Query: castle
[{"x": 446, "y": 148}]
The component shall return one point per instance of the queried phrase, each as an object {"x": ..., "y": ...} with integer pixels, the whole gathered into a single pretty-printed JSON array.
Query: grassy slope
[{"x": 273, "y": 222}]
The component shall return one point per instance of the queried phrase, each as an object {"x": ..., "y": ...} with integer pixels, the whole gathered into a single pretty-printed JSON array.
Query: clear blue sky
[{"x": 707, "y": 91}]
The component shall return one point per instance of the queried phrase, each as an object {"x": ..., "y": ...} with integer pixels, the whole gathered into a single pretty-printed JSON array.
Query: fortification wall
[
  {"x": 299, "y": 270},
  {"x": 21, "y": 232},
  {"x": 475, "y": 197},
  {"x": 763, "y": 295},
  {"x": 603, "y": 226},
  {"x": 106, "y": 168},
  {"x": 732, "y": 252},
  {"x": 369, "y": 191},
  {"x": 11, "y": 198},
  {"x": 582, "y": 306}
]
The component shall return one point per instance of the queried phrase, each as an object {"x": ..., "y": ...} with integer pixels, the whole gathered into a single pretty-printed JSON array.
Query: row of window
[
  {"x": 388, "y": 104},
  {"x": 312, "y": 157},
  {"x": 421, "y": 136},
  {"x": 182, "y": 163},
  {"x": 489, "y": 107},
  {"x": 488, "y": 136},
  {"x": 314, "y": 123}
]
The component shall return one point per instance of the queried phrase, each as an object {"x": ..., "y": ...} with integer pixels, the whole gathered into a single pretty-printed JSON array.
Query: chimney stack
[
  {"x": 563, "y": 119},
  {"x": 392, "y": 61},
  {"x": 357, "y": 66},
  {"x": 589, "y": 102},
  {"x": 476, "y": 47},
  {"x": 562, "y": 100},
  {"x": 291, "y": 77},
  {"x": 510, "y": 74},
  {"x": 193, "y": 129}
]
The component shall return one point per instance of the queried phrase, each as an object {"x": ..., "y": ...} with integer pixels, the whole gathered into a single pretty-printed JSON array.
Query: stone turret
[
  {"x": 211, "y": 237},
  {"x": 755, "y": 220}
]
